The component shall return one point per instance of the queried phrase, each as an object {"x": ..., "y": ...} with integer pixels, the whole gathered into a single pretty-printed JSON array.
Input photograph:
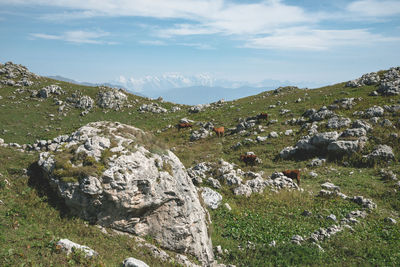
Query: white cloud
[
  {"x": 85, "y": 37},
  {"x": 374, "y": 8},
  {"x": 200, "y": 46},
  {"x": 209, "y": 16},
  {"x": 271, "y": 24},
  {"x": 153, "y": 42},
  {"x": 303, "y": 38}
]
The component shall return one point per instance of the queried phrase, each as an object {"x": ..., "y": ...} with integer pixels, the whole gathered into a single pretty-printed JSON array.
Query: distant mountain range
[
  {"x": 63, "y": 79},
  {"x": 191, "y": 90}
]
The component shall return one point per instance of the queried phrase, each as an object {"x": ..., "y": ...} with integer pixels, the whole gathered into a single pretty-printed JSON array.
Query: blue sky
[{"x": 320, "y": 41}]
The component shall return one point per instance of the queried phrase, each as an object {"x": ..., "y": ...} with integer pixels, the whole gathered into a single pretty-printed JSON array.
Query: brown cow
[
  {"x": 248, "y": 159},
  {"x": 219, "y": 131},
  {"x": 262, "y": 116},
  {"x": 184, "y": 125},
  {"x": 293, "y": 174}
]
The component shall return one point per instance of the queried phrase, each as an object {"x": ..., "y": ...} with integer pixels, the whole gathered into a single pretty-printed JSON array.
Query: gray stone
[
  {"x": 364, "y": 202},
  {"x": 211, "y": 198},
  {"x": 324, "y": 139},
  {"x": 361, "y": 124},
  {"x": 332, "y": 217},
  {"x": 338, "y": 122},
  {"x": 132, "y": 262},
  {"x": 383, "y": 152},
  {"x": 152, "y": 107},
  {"x": 390, "y": 220},
  {"x": 53, "y": 89},
  {"x": 375, "y": 111},
  {"x": 68, "y": 246},
  {"x": 140, "y": 192},
  {"x": 111, "y": 98},
  {"x": 288, "y": 152},
  {"x": 341, "y": 147},
  {"x": 273, "y": 135},
  {"x": 227, "y": 206},
  {"x": 355, "y": 132},
  {"x": 322, "y": 114},
  {"x": 317, "y": 162},
  {"x": 85, "y": 102},
  {"x": 199, "y": 134},
  {"x": 330, "y": 186},
  {"x": 214, "y": 183}
]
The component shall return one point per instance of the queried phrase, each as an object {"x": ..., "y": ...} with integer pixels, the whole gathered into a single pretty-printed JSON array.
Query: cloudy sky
[{"x": 316, "y": 41}]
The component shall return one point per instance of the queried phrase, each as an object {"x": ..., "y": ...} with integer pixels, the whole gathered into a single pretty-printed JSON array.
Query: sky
[{"x": 316, "y": 42}]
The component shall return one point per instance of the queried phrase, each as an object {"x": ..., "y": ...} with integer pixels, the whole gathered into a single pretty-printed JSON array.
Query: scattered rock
[
  {"x": 331, "y": 217},
  {"x": 227, "y": 206},
  {"x": 367, "y": 79},
  {"x": 53, "y": 89},
  {"x": 132, "y": 262},
  {"x": 152, "y": 107},
  {"x": 68, "y": 246},
  {"x": 383, "y": 152},
  {"x": 390, "y": 220},
  {"x": 211, "y": 198},
  {"x": 317, "y": 162},
  {"x": 199, "y": 134},
  {"x": 111, "y": 98},
  {"x": 338, "y": 122},
  {"x": 375, "y": 111}
]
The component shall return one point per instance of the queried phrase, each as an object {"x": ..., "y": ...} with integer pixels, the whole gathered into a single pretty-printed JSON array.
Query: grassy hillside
[{"x": 31, "y": 219}]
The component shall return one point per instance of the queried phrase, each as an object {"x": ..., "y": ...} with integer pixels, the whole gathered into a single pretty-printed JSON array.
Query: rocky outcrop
[
  {"x": 367, "y": 79},
  {"x": 381, "y": 152},
  {"x": 390, "y": 84},
  {"x": 47, "y": 91},
  {"x": 132, "y": 262},
  {"x": 111, "y": 98},
  {"x": 211, "y": 198},
  {"x": 338, "y": 122},
  {"x": 152, "y": 107},
  {"x": 375, "y": 111},
  {"x": 322, "y": 114},
  {"x": 16, "y": 75},
  {"x": 117, "y": 176},
  {"x": 198, "y": 108},
  {"x": 68, "y": 246},
  {"x": 199, "y": 134}
]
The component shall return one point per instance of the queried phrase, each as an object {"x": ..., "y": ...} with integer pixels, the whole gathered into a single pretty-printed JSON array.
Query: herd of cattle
[{"x": 248, "y": 159}]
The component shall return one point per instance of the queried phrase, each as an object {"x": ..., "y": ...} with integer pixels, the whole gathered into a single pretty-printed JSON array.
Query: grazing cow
[
  {"x": 293, "y": 174},
  {"x": 184, "y": 125},
  {"x": 248, "y": 159},
  {"x": 262, "y": 116},
  {"x": 219, "y": 131}
]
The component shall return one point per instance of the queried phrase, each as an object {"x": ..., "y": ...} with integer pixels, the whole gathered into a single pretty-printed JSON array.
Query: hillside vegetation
[{"x": 259, "y": 229}]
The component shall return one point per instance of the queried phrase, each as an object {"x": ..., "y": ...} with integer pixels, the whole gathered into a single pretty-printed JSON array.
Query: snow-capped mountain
[{"x": 149, "y": 84}]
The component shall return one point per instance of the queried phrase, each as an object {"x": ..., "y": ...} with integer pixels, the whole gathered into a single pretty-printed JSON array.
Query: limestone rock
[
  {"x": 152, "y": 107},
  {"x": 383, "y": 152},
  {"x": 342, "y": 146},
  {"x": 199, "y": 134},
  {"x": 132, "y": 262},
  {"x": 375, "y": 111},
  {"x": 111, "y": 98},
  {"x": 211, "y": 198},
  {"x": 130, "y": 188},
  {"x": 68, "y": 246},
  {"x": 338, "y": 122},
  {"x": 53, "y": 89}
]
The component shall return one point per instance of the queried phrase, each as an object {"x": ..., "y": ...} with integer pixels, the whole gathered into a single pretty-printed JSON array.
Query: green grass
[{"x": 32, "y": 219}]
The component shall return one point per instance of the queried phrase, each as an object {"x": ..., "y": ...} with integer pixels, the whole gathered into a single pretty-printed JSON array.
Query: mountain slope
[{"x": 31, "y": 218}]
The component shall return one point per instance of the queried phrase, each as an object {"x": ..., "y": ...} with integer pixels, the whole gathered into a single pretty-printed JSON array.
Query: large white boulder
[{"x": 115, "y": 175}]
